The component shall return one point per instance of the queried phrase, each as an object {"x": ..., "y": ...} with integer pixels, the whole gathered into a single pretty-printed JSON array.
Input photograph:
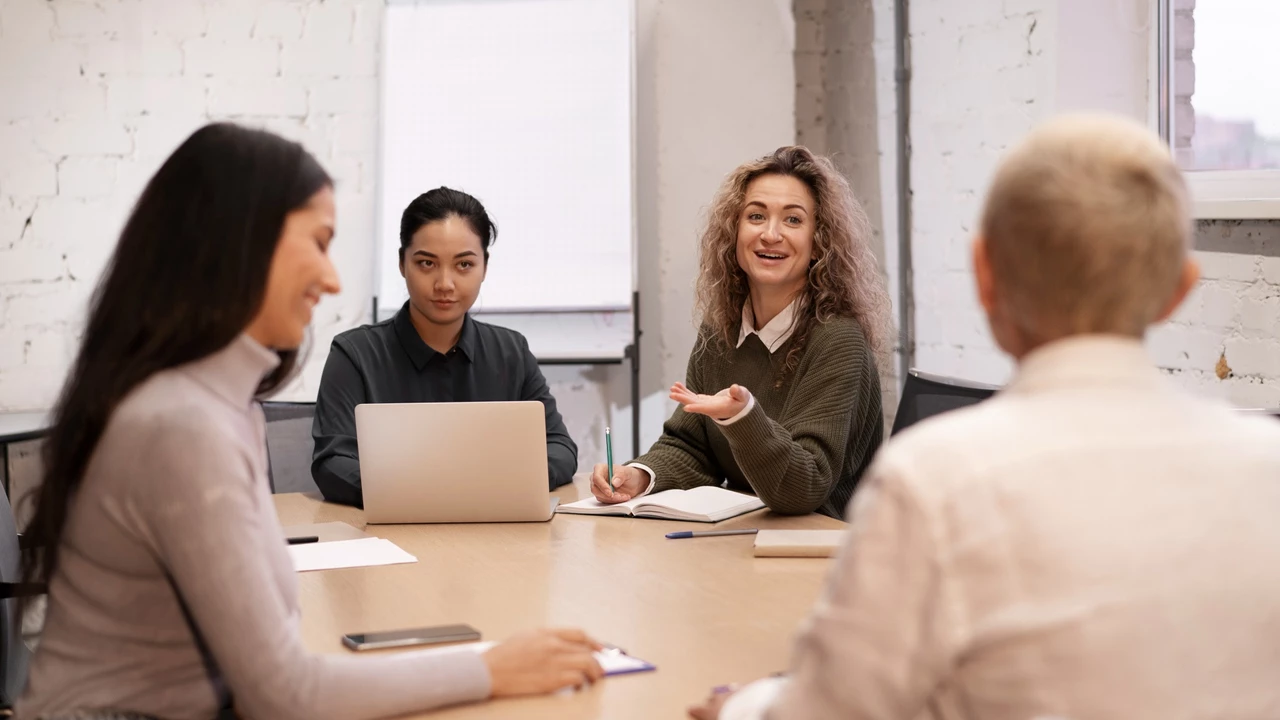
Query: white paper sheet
[{"x": 365, "y": 552}]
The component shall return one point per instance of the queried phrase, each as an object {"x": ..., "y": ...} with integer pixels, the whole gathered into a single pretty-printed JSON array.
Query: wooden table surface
[{"x": 704, "y": 611}]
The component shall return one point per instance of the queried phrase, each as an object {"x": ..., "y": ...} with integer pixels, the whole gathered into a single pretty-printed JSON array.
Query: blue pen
[{"x": 708, "y": 533}]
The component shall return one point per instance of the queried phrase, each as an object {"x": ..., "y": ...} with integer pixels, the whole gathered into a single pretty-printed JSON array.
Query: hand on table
[
  {"x": 721, "y": 406},
  {"x": 542, "y": 661},
  {"x": 628, "y": 482}
]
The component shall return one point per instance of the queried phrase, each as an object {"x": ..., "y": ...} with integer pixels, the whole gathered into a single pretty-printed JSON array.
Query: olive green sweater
[{"x": 806, "y": 442}]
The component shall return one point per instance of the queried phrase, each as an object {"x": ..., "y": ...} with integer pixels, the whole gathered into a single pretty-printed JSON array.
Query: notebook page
[
  {"x": 706, "y": 501},
  {"x": 592, "y": 506}
]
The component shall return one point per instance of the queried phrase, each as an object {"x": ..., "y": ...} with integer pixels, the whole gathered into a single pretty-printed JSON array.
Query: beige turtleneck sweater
[{"x": 178, "y": 481}]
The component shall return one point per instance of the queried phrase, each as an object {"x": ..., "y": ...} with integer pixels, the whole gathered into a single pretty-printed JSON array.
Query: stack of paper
[{"x": 364, "y": 552}]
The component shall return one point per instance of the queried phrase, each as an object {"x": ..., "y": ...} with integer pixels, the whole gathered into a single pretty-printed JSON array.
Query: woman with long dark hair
[{"x": 171, "y": 593}]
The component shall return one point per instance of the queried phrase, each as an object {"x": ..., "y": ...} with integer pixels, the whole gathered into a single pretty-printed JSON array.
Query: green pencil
[{"x": 608, "y": 451}]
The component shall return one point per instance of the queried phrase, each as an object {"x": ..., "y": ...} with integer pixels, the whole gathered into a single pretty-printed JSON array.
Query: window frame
[{"x": 1215, "y": 194}]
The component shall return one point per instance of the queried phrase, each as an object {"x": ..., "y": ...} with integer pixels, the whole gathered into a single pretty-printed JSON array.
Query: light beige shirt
[
  {"x": 1090, "y": 544},
  {"x": 179, "y": 481}
]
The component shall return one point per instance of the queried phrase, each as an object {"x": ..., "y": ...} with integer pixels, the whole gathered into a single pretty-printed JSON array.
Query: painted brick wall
[
  {"x": 983, "y": 74},
  {"x": 983, "y": 77},
  {"x": 1225, "y": 340},
  {"x": 94, "y": 95},
  {"x": 846, "y": 108},
  {"x": 97, "y": 94}
]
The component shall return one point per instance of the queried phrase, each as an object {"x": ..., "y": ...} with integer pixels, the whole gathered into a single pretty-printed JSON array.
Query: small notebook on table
[
  {"x": 798, "y": 543},
  {"x": 701, "y": 504}
]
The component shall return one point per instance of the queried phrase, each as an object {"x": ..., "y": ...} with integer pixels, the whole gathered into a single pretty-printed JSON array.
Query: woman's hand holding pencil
[{"x": 628, "y": 482}]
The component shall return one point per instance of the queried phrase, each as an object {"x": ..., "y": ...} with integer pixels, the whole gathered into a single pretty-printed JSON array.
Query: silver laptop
[{"x": 454, "y": 462}]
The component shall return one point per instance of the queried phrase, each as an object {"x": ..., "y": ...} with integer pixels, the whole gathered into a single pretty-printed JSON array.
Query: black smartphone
[{"x": 416, "y": 636}]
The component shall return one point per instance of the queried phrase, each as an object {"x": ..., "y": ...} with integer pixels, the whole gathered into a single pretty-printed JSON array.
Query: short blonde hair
[{"x": 1087, "y": 227}]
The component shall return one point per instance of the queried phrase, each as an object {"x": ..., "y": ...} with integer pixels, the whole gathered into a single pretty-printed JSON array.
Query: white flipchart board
[{"x": 528, "y": 105}]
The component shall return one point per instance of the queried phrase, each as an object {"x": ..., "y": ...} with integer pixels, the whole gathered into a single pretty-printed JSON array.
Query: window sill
[
  {"x": 1235, "y": 194},
  {"x": 1255, "y": 209}
]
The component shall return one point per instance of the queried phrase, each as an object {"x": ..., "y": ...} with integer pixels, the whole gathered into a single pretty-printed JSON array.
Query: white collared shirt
[{"x": 776, "y": 332}]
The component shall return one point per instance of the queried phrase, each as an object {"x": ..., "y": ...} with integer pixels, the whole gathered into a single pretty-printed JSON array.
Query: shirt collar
[
  {"x": 775, "y": 332},
  {"x": 235, "y": 372},
  {"x": 421, "y": 353},
  {"x": 1086, "y": 360}
]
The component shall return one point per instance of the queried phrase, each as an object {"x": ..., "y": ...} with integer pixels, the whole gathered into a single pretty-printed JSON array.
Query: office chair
[
  {"x": 925, "y": 395},
  {"x": 14, "y": 654},
  {"x": 289, "y": 446}
]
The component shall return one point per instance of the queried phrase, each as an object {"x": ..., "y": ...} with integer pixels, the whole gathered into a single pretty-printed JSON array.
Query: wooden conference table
[{"x": 704, "y": 611}]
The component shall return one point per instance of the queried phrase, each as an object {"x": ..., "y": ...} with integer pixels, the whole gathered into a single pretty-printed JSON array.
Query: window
[{"x": 1219, "y": 102}]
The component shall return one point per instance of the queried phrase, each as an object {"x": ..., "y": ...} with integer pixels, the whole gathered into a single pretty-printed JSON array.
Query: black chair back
[
  {"x": 925, "y": 395},
  {"x": 289, "y": 446},
  {"x": 14, "y": 655}
]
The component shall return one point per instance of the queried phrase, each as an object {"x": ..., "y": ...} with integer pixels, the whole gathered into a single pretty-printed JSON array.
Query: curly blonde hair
[{"x": 844, "y": 279}]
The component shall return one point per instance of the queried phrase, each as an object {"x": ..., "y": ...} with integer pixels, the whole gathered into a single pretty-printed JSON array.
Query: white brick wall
[
  {"x": 982, "y": 78},
  {"x": 846, "y": 108},
  {"x": 1234, "y": 315},
  {"x": 155, "y": 70},
  {"x": 98, "y": 94}
]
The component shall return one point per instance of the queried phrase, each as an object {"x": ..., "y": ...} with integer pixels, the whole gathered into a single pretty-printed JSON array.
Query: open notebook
[{"x": 701, "y": 504}]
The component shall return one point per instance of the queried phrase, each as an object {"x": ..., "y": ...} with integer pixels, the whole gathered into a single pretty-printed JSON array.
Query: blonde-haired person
[
  {"x": 1093, "y": 542},
  {"x": 782, "y": 396}
]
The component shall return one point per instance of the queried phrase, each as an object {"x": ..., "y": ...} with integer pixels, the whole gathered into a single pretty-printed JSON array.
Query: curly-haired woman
[{"x": 782, "y": 395}]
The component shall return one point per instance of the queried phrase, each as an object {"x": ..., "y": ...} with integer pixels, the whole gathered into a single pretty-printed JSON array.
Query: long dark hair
[
  {"x": 446, "y": 202},
  {"x": 187, "y": 277}
]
